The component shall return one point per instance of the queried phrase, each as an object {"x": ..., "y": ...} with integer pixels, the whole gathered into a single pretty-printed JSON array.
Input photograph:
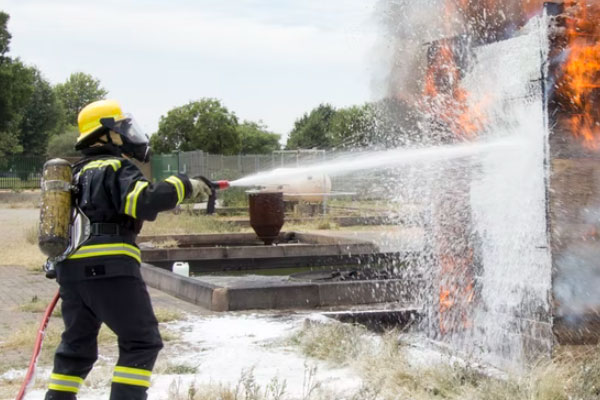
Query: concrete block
[{"x": 275, "y": 298}]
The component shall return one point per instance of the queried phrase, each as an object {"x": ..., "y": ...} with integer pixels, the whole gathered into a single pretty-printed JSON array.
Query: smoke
[
  {"x": 407, "y": 25},
  {"x": 577, "y": 277},
  {"x": 576, "y": 286}
]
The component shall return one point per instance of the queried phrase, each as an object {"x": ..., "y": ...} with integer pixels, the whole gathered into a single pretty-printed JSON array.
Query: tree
[
  {"x": 29, "y": 110},
  {"x": 16, "y": 88},
  {"x": 40, "y": 117},
  {"x": 354, "y": 126},
  {"x": 4, "y": 35},
  {"x": 199, "y": 125},
  {"x": 63, "y": 145},
  {"x": 77, "y": 92},
  {"x": 256, "y": 139},
  {"x": 313, "y": 130}
]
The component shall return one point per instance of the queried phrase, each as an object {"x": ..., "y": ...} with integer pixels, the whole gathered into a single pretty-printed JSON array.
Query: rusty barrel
[{"x": 266, "y": 215}]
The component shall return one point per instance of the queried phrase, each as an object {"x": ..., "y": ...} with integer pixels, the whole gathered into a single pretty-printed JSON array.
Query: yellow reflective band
[
  {"x": 129, "y": 381},
  {"x": 114, "y": 249},
  {"x": 62, "y": 388},
  {"x": 71, "y": 378},
  {"x": 132, "y": 198},
  {"x": 179, "y": 187},
  {"x": 65, "y": 383},
  {"x": 137, "y": 371},
  {"x": 132, "y": 376},
  {"x": 115, "y": 164}
]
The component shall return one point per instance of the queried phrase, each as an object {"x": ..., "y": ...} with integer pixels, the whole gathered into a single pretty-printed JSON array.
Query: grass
[
  {"x": 22, "y": 204},
  {"x": 24, "y": 336},
  {"x": 35, "y": 305},
  {"x": 179, "y": 369},
  {"x": 168, "y": 315},
  {"x": 169, "y": 223},
  {"x": 165, "y": 244},
  {"x": 20, "y": 199},
  {"x": 31, "y": 235},
  {"x": 168, "y": 335},
  {"x": 338, "y": 343},
  {"x": 385, "y": 368},
  {"x": 246, "y": 388},
  {"x": 22, "y": 249}
]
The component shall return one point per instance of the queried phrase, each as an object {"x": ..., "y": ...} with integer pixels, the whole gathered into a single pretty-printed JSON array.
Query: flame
[
  {"x": 447, "y": 99},
  {"x": 581, "y": 72},
  {"x": 457, "y": 292}
]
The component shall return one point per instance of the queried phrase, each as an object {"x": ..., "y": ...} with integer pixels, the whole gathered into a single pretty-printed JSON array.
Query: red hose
[{"x": 38, "y": 346}]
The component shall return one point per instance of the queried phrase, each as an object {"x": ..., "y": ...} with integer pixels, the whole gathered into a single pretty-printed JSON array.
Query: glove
[{"x": 200, "y": 190}]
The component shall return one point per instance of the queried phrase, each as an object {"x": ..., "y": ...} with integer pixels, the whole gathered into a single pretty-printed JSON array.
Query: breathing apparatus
[
  {"x": 63, "y": 227},
  {"x": 134, "y": 143}
]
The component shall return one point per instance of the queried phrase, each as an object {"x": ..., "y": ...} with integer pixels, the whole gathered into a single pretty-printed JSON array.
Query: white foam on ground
[{"x": 224, "y": 347}]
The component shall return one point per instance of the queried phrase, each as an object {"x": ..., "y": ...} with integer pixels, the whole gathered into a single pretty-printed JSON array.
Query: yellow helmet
[
  {"x": 89, "y": 120},
  {"x": 100, "y": 117}
]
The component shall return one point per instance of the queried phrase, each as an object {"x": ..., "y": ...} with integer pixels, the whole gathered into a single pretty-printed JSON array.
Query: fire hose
[{"x": 38, "y": 347}]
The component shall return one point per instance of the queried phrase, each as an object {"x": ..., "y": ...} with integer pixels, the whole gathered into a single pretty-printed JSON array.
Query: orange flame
[
  {"x": 447, "y": 99},
  {"x": 457, "y": 291},
  {"x": 581, "y": 72}
]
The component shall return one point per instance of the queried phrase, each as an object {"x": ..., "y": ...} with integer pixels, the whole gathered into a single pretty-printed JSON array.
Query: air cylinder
[{"x": 55, "y": 210}]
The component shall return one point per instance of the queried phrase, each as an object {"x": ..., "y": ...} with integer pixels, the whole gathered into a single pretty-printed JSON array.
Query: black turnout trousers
[{"x": 123, "y": 304}]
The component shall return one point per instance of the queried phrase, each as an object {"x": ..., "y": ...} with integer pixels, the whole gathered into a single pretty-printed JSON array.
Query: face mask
[{"x": 135, "y": 142}]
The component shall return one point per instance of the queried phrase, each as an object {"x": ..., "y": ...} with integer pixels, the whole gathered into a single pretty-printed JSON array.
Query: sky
[{"x": 268, "y": 60}]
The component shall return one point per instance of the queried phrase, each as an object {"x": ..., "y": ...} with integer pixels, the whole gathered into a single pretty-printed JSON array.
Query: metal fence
[
  {"x": 21, "y": 172},
  {"x": 25, "y": 172},
  {"x": 215, "y": 166}
]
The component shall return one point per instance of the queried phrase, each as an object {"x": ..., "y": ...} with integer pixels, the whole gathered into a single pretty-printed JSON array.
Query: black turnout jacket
[{"x": 115, "y": 196}]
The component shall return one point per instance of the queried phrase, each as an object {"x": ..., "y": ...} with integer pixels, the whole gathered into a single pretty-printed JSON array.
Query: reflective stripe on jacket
[{"x": 114, "y": 191}]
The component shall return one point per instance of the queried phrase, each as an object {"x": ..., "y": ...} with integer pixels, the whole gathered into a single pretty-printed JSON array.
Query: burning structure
[{"x": 515, "y": 238}]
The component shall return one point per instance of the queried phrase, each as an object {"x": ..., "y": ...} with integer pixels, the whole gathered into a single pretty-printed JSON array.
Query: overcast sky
[{"x": 269, "y": 60}]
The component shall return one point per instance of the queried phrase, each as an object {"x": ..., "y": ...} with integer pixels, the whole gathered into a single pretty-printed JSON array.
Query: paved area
[{"x": 19, "y": 286}]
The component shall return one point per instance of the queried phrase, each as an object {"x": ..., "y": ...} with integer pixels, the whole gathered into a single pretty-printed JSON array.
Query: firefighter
[{"x": 101, "y": 281}]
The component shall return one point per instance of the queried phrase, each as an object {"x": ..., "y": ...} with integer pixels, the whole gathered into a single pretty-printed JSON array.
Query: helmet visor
[{"x": 130, "y": 130}]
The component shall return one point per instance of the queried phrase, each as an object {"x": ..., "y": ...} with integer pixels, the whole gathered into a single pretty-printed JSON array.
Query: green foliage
[
  {"x": 256, "y": 139},
  {"x": 313, "y": 130},
  {"x": 29, "y": 110},
  {"x": 233, "y": 197},
  {"x": 325, "y": 128},
  {"x": 4, "y": 35},
  {"x": 77, "y": 92},
  {"x": 354, "y": 126},
  {"x": 16, "y": 88},
  {"x": 40, "y": 117},
  {"x": 63, "y": 145},
  {"x": 204, "y": 125}
]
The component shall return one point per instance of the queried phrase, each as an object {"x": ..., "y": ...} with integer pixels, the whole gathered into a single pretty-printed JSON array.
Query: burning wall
[
  {"x": 514, "y": 237},
  {"x": 501, "y": 279},
  {"x": 574, "y": 107}
]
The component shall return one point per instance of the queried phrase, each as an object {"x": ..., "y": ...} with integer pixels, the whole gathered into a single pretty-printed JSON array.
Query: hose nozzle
[{"x": 221, "y": 185}]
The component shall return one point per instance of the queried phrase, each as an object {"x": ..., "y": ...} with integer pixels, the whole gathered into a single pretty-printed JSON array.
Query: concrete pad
[{"x": 273, "y": 293}]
